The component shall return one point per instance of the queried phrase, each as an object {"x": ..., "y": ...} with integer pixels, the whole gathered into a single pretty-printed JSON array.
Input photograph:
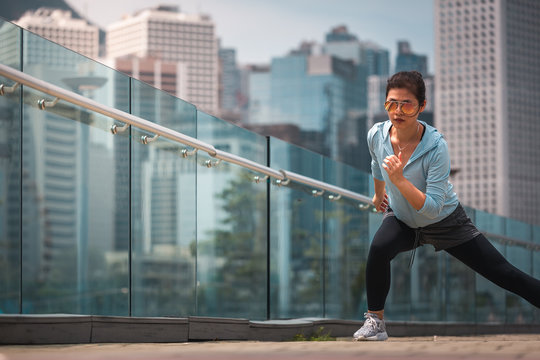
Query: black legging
[{"x": 394, "y": 237}]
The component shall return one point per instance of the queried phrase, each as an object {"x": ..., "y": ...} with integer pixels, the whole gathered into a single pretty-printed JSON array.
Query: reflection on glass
[
  {"x": 69, "y": 259},
  {"x": 460, "y": 291},
  {"x": 536, "y": 264},
  {"x": 163, "y": 209},
  {"x": 10, "y": 176},
  {"x": 519, "y": 310},
  {"x": 346, "y": 243},
  {"x": 490, "y": 298},
  {"x": 297, "y": 283},
  {"x": 427, "y": 285},
  {"x": 231, "y": 225}
]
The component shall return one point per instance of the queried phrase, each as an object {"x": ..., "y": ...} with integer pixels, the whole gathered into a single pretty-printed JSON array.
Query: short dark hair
[{"x": 410, "y": 80}]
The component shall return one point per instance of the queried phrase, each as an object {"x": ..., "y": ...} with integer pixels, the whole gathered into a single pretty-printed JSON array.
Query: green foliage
[{"x": 317, "y": 336}]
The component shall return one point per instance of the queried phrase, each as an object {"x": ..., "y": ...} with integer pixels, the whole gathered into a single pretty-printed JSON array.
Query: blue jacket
[{"x": 428, "y": 170}]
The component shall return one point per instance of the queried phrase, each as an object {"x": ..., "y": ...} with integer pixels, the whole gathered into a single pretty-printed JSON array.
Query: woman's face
[{"x": 403, "y": 107}]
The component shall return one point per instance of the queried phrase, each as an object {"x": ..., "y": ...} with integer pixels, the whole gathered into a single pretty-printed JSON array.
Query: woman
[{"x": 410, "y": 166}]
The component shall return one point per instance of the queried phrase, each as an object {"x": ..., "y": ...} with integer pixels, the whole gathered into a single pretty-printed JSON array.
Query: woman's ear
[{"x": 423, "y": 107}]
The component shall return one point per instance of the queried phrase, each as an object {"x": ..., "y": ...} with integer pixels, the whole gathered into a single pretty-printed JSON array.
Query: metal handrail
[
  {"x": 325, "y": 186},
  {"x": 92, "y": 105},
  {"x": 507, "y": 240}
]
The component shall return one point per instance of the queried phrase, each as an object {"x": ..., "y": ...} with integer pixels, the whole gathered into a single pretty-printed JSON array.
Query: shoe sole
[{"x": 379, "y": 337}]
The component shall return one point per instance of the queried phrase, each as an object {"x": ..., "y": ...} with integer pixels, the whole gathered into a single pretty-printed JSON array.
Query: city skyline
[{"x": 242, "y": 24}]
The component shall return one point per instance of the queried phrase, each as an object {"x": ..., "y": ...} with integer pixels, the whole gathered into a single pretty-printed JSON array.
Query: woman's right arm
[{"x": 380, "y": 199}]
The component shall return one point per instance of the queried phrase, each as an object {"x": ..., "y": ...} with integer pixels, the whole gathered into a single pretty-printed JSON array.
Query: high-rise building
[
  {"x": 322, "y": 90},
  {"x": 342, "y": 44},
  {"x": 319, "y": 94},
  {"x": 167, "y": 76},
  {"x": 376, "y": 97},
  {"x": 229, "y": 84},
  {"x": 59, "y": 26},
  {"x": 167, "y": 34},
  {"x": 370, "y": 60},
  {"x": 488, "y": 59},
  {"x": 406, "y": 60},
  {"x": 259, "y": 89}
]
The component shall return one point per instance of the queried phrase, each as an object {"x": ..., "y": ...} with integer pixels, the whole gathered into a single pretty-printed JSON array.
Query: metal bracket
[
  {"x": 365, "y": 207},
  {"x": 115, "y": 129},
  {"x": 317, "y": 193},
  {"x": 8, "y": 89},
  {"x": 146, "y": 140},
  {"x": 43, "y": 104},
  {"x": 209, "y": 163},
  {"x": 258, "y": 179},
  {"x": 334, "y": 197},
  {"x": 185, "y": 152},
  {"x": 283, "y": 182}
]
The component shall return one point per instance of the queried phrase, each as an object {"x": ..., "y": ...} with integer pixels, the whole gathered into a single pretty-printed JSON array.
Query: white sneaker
[{"x": 373, "y": 329}]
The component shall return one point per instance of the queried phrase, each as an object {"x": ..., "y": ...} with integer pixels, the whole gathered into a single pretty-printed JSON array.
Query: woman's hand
[
  {"x": 380, "y": 202},
  {"x": 394, "y": 167}
]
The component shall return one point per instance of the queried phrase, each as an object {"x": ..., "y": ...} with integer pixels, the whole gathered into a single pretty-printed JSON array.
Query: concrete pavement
[{"x": 492, "y": 347}]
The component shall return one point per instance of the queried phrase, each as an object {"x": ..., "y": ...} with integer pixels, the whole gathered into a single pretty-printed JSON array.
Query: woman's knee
[{"x": 378, "y": 251}]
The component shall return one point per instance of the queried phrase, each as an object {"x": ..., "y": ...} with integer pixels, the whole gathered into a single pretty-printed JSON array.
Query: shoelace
[{"x": 370, "y": 323}]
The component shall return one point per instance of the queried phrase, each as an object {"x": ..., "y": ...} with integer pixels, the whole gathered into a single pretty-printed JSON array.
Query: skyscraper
[
  {"x": 342, "y": 44},
  {"x": 376, "y": 98},
  {"x": 229, "y": 84},
  {"x": 167, "y": 34},
  {"x": 167, "y": 76},
  {"x": 318, "y": 93},
  {"x": 406, "y": 60},
  {"x": 488, "y": 84},
  {"x": 59, "y": 26}
]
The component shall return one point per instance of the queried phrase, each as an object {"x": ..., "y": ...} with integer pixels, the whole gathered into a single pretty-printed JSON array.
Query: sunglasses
[{"x": 407, "y": 108}]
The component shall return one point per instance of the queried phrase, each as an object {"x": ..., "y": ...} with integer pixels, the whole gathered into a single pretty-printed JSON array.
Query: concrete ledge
[
  {"x": 45, "y": 329},
  {"x": 279, "y": 330},
  {"x": 208, "y": 328},
  {"x": 335, "y": 327},
  {"x": 115, "y": 329},
  {"x": 406, "y": 328},
  {"x": 84, "y": 329}
]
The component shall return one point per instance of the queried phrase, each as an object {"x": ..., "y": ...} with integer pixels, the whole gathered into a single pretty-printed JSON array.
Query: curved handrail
[{"x": 92, "y": 105}]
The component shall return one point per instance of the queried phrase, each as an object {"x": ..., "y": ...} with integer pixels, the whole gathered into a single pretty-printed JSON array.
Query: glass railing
[{"x": 101, "y": 216}]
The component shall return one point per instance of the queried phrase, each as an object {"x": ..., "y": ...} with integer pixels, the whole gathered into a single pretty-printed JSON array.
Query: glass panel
[
  {"x": 398, "y": 303},
  {"x": 231, "y": 225},
  {"x": 163, "y": 208},
  {"x": 297, "y": 284},
  {"x": 536, "y": 263},
  {"x": 427, "y": 285},
  {"x": 460, "y": 290},
  {"x": 10, "y": 175},
  {"x": 490, "y": 298},
  {"x": 346, "y": 244},
  {"x": 518, "y": 310},
  {"x": 70, "y": 257}
]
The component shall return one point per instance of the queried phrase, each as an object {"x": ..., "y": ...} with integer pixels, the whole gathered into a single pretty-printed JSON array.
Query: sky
[{"x": 262, "y": 29}]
